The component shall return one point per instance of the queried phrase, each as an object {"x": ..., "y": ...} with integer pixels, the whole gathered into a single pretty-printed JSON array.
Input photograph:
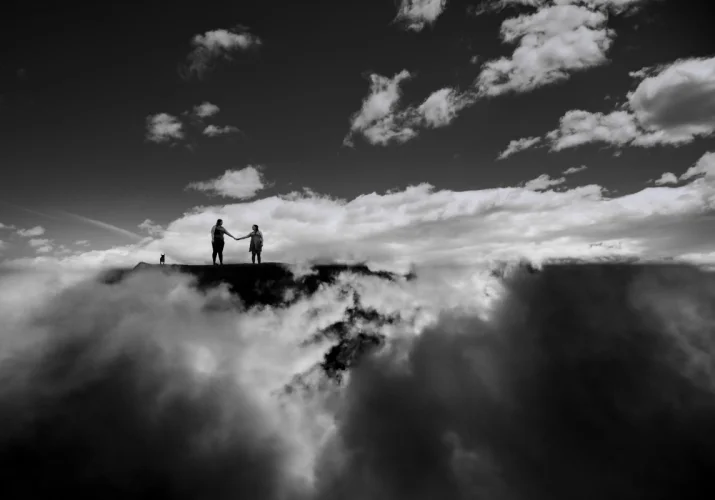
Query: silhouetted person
[
  {"x": 256, "y": 245},
  {"x": 217, "y": 242},
  {"x": 162, "y": 259}
]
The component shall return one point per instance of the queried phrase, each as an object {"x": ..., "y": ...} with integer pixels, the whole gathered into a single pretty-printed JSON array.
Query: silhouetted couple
[{"x": 217, "y": 242}]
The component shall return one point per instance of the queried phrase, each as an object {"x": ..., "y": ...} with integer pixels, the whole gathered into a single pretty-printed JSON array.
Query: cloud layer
[
  {"x": 544, "y": 218},
  {"x": 150, "y": 386}
]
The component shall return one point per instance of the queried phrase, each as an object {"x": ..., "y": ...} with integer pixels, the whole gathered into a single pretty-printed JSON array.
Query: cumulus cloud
[
  {"x": 415, "y": 14},
  {"x": 518, "y": 145},
  {"x": 673, "y": 104},
  {"x": 552, "y": 43},
  {"x": 218, "y": 44},
  {"x": 205, "y": 110},
  {"x": 239, "y": 184},
  {"x": 677, "y": 100},
  {"x": 163, "y": 128},
  {"x": 215, "y": 131},
  {"x": 32, "y": 232}
]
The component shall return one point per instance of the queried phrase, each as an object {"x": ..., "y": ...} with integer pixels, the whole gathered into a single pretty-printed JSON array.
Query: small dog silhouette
[{"x": 162, "y": 259}]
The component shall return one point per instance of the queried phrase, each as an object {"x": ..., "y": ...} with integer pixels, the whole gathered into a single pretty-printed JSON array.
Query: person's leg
[
  {"x": 220, "y": 253},
  {"x": 259, "y": 257},
  {"x": 215, "y": 251},
  {"x": 253, "y": 257}
]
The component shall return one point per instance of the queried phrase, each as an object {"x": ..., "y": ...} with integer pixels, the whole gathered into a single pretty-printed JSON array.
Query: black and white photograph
[{"x": 357, "y": 250}]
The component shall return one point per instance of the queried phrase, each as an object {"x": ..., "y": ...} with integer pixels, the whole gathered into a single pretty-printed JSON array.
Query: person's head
[
  {"x": 255, "y": 227},
  {"x": 219, "y": 222}
]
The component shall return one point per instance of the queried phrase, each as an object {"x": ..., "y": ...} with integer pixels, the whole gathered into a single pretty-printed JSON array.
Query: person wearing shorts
[{"x": 217, "y": 242}]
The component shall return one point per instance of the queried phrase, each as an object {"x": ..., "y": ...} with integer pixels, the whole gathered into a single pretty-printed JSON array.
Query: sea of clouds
[{"x": 589, "y": 381}]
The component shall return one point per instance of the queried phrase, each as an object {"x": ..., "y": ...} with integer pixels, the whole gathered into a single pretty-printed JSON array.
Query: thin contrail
[
  {"x": 103, "y": 225},
  {"x": 97, "y": 223},
  {"x": 29, "y": 210}
]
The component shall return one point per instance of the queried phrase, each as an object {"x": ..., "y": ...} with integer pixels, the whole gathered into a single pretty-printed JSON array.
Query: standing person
[
  {"x": 256, "y": 245},
  {"x": 217, "y": 242}
]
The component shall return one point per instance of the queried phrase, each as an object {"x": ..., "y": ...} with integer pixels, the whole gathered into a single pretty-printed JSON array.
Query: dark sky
[{"x": 78, "y": 80}]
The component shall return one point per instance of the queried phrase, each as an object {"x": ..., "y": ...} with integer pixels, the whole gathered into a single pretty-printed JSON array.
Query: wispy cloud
[
  {"x": 32, "y": 232},
  {"x": 575, "y": 170},
  {"x": 6, "y": 226},
  {"x": 215, "y": 131},
  {"x": 543, "y": 182},
  {"x": 518, "y": 145}
]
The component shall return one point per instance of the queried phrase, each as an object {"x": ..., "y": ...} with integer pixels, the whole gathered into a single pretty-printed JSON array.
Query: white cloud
[
  {"x": 381, "y": 122},
  {"x": 423, "y": 226},
  {"x": 30, "y": 233},
  {"x": 152, "y": 228},
  {"x": 378, "y": 120},
  {"x": 543, "y": 182},
  {"x": 575, "y": 170},
  {"x": 667, "y": 178},
  {"x": 441, "y": 107},
  {"x": 38, "y": 242},
  {"x": 82, "y": 243},
  {"x": 415, "y": 14},
  {"x": 214, "y": 131},
  {"x": 579, "y": 127},
  {"x": 519, "y": 145},
  {"x": 205, "y": 110},
  {"x": 553, "y": 42},
  {"x": 678, "y": 100},
  {"x": 218, "y": 44},
  {"x": 163, "y": 127},
  {"x": 5, "y": 226},
  {"x": 615, "y": 6},
  {"x": 673, "y": 105},
  {"x": 41, "y": 245},
  {"x": 705, "y": 167},
  {"x": 239, "y": 184}
]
